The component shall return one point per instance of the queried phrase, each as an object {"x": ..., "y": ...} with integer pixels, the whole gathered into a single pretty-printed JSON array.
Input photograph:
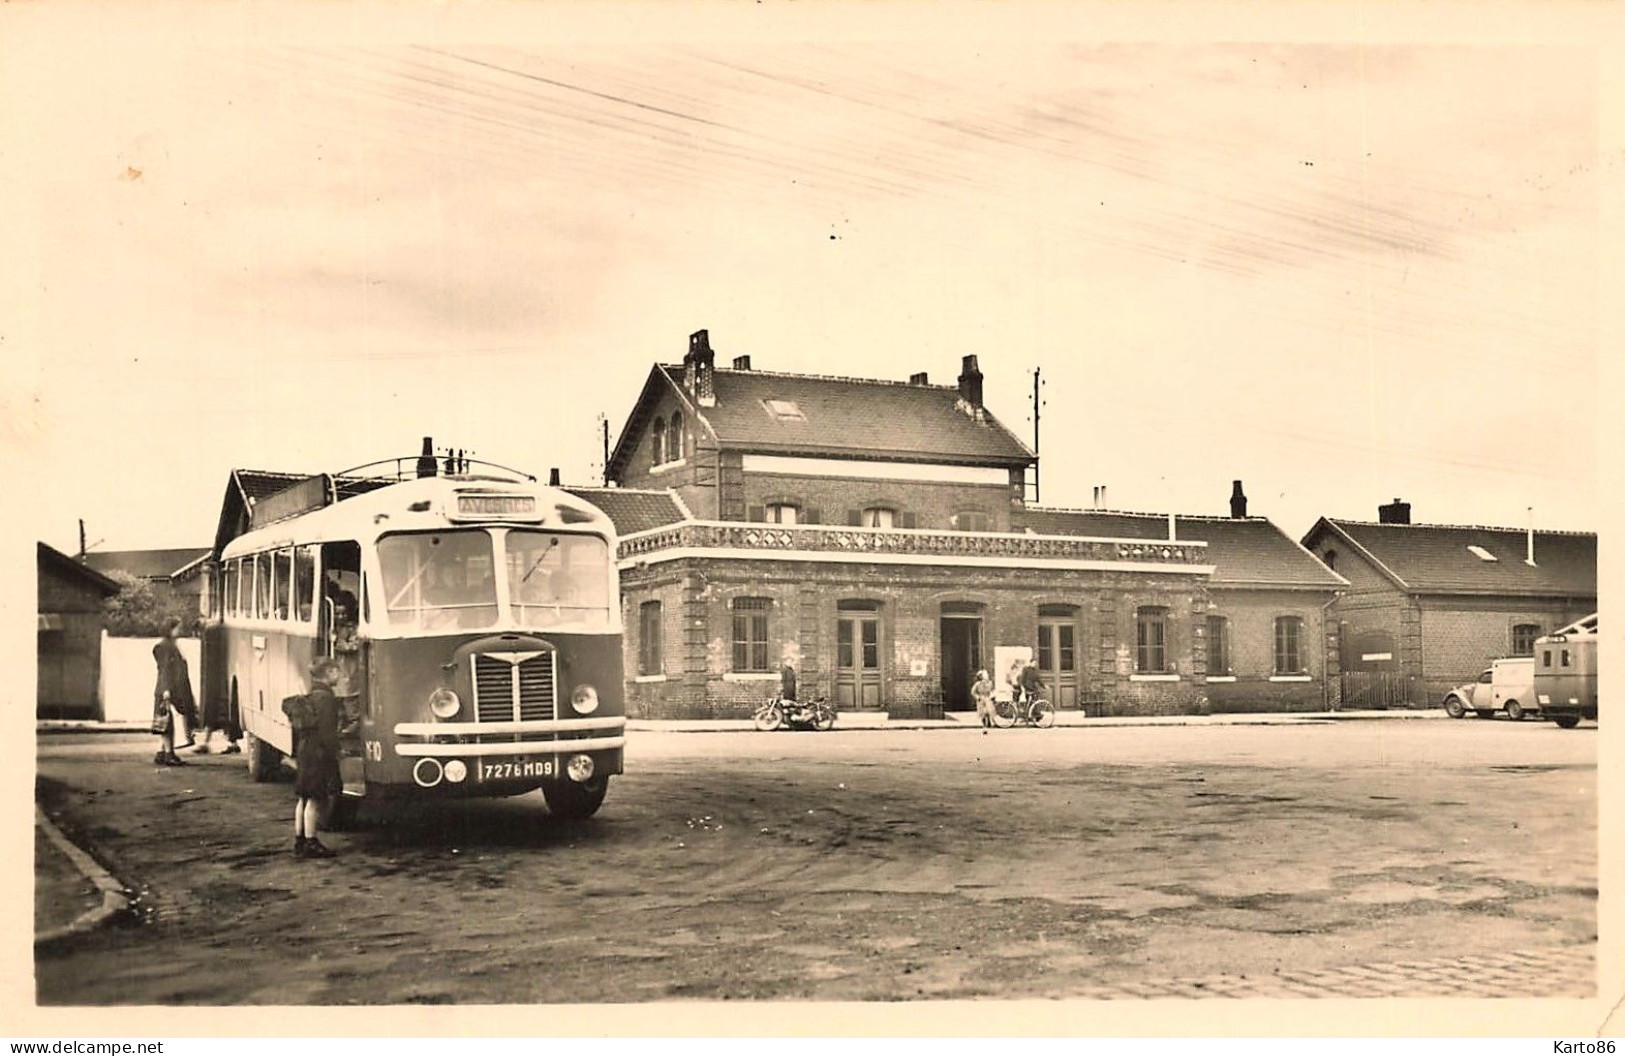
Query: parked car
[{"x": 1506, "y": 685}]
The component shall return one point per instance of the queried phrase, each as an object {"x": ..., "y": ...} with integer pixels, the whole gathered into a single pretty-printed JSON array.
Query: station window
[
  {"x": 1523, "y": 639},
  {"x": 657, "y": 442},
  {"x": 1289, "y": 645},
  {"x": 1151, "y": 640},
  {"x": 649, "y": 632},
  {"x": 972, "y": 521},
  {"x": 1218, "y": 645},
  {"x": 674, "y": 438},
  {"x": 750, "y": 634},
  {"x": 783, "y": 513}
]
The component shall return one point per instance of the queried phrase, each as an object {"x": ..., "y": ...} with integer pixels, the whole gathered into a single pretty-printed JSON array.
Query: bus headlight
[
  {"x": 579, "y": 768},
  {"x": 584, "y": 700},
  {"x": 456, "y": 771},
  {"x": 444, "y": 703}
]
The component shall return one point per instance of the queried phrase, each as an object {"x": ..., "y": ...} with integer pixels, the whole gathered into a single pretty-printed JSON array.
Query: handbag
[{"x": 177, "y": 721}]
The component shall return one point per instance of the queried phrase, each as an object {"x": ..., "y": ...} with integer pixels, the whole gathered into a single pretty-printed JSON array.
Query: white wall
[{"x": 129, "y": 675}]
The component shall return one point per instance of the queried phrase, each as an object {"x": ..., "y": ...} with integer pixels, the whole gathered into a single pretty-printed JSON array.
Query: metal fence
[{"x": 1379, "y": 689}]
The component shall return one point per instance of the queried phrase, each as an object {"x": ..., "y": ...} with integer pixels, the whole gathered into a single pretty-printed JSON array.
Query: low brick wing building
[
  {"x": 1430, "y": 605},
  {"x": 1264, "y": 642}
]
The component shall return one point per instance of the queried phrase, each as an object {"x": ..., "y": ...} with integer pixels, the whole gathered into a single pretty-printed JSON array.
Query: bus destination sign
[{"x": 496, "y": 506}]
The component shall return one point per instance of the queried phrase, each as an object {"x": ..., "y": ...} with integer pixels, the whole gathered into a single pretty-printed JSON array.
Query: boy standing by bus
[{"x": 315, "y": 719}]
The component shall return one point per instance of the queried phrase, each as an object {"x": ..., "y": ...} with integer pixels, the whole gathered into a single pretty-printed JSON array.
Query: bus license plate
[{"x": 507, "y": 769}]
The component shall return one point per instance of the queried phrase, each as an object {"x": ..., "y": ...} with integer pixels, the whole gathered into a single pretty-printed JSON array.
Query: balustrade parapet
[{"x": 828, "y": 538}]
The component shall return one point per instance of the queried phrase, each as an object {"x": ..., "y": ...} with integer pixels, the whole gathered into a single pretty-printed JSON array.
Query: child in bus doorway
[{"x": 315, "y": 719}]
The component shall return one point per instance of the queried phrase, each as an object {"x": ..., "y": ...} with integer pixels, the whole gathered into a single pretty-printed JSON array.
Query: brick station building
[{"x": 876, "y": 535}]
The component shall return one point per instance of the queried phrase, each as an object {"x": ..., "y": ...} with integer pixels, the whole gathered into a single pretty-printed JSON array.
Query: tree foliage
[{"x": 140, "y": 610}]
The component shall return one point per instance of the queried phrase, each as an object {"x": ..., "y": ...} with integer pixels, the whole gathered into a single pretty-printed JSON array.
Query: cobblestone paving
[{"x": 1568, "y": 971}]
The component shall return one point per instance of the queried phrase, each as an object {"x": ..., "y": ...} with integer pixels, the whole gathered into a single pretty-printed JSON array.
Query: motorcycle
[{"x": 777, "y": 713}]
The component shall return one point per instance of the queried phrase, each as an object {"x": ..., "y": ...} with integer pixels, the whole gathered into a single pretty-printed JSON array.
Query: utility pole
[
  {"x": 603, "y": 422},
  {"x": 1037, "y": 403}
]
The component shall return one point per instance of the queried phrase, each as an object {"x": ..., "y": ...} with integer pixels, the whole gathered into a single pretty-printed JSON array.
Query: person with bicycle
[{"x": 1029, "y": 684}]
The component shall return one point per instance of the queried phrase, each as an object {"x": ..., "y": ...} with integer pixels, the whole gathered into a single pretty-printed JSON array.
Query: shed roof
[
  {"x": 147, "y": 564},
  {"x": 50, "y": 557}
]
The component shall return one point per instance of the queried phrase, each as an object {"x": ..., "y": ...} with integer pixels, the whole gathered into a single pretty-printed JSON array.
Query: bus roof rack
[{"x": 411, "y": 467}]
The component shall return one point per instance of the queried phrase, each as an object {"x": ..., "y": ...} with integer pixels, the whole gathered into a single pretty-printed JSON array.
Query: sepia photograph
[{"x": 891, "y": 509}]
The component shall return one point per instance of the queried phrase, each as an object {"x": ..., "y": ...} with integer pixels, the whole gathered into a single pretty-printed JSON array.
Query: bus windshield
[
  {"x": 439, "y": 580},
  {"x": 554, "y": 579}
]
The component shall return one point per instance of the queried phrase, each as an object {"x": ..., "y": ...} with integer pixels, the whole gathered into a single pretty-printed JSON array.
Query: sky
[{"x": 1342, "y": 273}]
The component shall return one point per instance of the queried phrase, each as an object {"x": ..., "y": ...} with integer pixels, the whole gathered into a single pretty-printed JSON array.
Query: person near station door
[
  {"x": 172, "y": 695},
  {"x": 981, "y": 691},
  {"x": 787, "y": 681}
]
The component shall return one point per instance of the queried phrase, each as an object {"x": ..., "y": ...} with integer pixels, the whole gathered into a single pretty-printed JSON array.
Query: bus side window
[
  {"x": 1545, "y": 658},
  {"x": 1565, "y": 658},
  {"x": 262, "y": 586},
  {"x": 304, "y": 583}
]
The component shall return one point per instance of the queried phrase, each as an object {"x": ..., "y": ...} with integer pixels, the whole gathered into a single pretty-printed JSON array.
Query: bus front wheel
[
  {"x": 571, "y": 799},
  {"x": 263, "y": 760}
]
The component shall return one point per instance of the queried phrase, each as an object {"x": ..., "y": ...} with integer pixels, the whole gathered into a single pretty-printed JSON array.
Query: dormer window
[
  {"x": 1481, "y": 553},
  {"x": 784, "y": 410}
]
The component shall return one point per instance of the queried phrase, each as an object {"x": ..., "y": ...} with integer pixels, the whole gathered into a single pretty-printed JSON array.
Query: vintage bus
[
  {"x": 1566, "y": 673},
  {"x": 476, "y": 620}
]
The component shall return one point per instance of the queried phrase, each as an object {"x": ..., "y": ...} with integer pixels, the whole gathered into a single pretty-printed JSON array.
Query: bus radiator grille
[{"x": 505, "y": 692}]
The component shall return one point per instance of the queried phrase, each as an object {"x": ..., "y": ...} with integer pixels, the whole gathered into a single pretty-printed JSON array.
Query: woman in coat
[{"x": 171, "y": 695}]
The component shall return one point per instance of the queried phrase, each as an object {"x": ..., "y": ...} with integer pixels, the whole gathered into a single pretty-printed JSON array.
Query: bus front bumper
[{"x": 453, "y": 738}]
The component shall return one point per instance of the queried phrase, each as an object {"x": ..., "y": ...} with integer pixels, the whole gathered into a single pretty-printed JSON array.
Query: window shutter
[
  {"x": 811, "y": 515},
  {"x": 854, "y": 518},
  {"x": 756, "y": 513},
  {"x": 907, "y": 519}
]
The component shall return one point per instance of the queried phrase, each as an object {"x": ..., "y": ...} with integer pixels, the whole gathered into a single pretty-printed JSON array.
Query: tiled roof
[
  {"x": 1244, "y": 551},
  {"x": 1434, "y": 558},
  {"x": 146, "y": 564},
  {"x": 853, "y": 416},
  {"x": 631, "y": 509}
]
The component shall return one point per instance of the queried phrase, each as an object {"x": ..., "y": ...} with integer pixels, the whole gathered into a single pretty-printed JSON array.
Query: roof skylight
[
  {"x": 1481, "y": 553},
  {"x": 784, "y": 410}
]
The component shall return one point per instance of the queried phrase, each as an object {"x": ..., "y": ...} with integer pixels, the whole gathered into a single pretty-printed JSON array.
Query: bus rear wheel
[
  {"x": 263, "y": 760},
  {"x": 1567, "y": 722},
  {"x": 571, "y": 799}
]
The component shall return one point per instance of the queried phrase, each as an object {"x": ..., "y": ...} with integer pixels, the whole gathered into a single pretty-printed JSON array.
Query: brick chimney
[
  {"x": 1396, "y": 512},
  {"x": 970, "y": 385},
  {"x": 426, "y": 461},
  {"x": 741, "y": 362},
  {"x": 1238, "y": 501},
  {"x": 699, "y": 369},
  {"x": 919, "y": 379}
]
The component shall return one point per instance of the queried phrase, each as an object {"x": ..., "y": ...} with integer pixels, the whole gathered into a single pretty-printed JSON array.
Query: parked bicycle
[
  {"x": 1031, "y": 710},
  {"x": 778, "y": 713}
]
